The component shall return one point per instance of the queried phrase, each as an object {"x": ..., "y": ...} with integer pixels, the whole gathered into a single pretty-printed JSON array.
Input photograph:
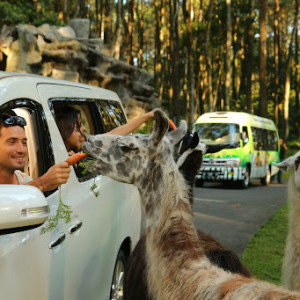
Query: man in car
[{"x": 13, "y": 152}]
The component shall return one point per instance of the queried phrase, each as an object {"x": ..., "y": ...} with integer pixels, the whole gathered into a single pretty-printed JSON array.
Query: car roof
[{"x": 16, "y": 85}]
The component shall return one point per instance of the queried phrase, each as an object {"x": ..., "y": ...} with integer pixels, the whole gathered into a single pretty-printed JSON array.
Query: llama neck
[
  {"x": 294, "y": 212},
  {"x": 168, "y": 211}
]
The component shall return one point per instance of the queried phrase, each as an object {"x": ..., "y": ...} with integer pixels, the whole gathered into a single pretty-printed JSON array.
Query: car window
[
  {"x": 40, "y": 150},
  {"x": 111, "y": 113},
  {"x": 98, "y": 116}
]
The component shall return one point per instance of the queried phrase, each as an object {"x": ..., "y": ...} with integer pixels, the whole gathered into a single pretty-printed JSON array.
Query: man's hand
[{"x": 53, "y": 178}]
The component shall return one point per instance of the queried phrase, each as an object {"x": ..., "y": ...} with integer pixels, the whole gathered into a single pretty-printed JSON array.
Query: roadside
[{"x": 233, "y": 215}]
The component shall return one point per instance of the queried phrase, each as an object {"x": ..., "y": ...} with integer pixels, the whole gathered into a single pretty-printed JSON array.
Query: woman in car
[{"x": 70, "y": 125}]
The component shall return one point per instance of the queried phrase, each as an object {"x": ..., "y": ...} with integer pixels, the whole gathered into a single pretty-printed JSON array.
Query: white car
[{"x": 71, "y": 243}]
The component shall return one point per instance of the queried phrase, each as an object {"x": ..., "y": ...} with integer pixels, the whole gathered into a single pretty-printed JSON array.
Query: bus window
[
  {"x": 245, "y": 135},
  {"x": 219, "y": 133}
]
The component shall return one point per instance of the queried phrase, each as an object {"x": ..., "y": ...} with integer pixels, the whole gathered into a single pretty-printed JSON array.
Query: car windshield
[{"x": 219, "y": 133}]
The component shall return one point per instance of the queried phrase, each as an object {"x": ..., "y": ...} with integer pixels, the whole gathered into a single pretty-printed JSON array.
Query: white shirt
[{"x": 22, "y": 177}]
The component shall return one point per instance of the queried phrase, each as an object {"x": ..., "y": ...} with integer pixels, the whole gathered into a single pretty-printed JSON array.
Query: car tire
[
  {"x": 199, "y": 183},
  {"x": 267, "y": 179},
  {"x": 116, "y": 292},
  {"x": 244, "y": 184}
]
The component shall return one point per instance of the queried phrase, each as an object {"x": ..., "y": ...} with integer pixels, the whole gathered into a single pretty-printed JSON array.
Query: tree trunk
[
  {"x": 130, "y": 53},
  {"x": 276, "y": 61},
  {"x": 187, "y": 11},
  {"x": 139, "y": 11},
  {"x": 228, "y": 55},
  {"x": 249, "y": 55},
  {"x": 297, "y": 71},
  {"x": 108, "y": 22},
  {"x": 174, "y": 39},
  {"x": 118, "y": 34},
  {"x": 208, "y": 56},
  {"x": 263, "y": 101},
  {"x": 287, "y": 89}
]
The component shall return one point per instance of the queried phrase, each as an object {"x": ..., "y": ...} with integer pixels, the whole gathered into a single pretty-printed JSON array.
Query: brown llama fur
[{"x": 177, "y": 267}]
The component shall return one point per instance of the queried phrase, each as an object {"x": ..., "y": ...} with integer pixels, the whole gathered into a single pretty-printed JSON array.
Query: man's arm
[
  {"x": 54, "y": 177},
  {"x": 132, "y": 125}
]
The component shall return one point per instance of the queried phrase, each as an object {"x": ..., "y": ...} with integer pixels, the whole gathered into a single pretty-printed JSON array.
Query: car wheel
[
  {"x": 199, "y": 183},
  {"x": 267, "y": 179},
  {"x": 116, "y": 292},
  {"x": 246, "y": 181}
]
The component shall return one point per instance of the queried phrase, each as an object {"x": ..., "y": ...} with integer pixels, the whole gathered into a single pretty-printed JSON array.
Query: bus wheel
[
  {"x": 199, "y": 183},
  {"x": 245, "y": 182},
  {"x": 267, "y": 179}
]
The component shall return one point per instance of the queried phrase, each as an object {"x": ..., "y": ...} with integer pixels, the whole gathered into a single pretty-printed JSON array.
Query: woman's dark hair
[{"x": 66, "y": 119}]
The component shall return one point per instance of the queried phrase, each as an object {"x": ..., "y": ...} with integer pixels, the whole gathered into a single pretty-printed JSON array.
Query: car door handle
[
  {"x": 75, "y": 227},
  {"x": 55, "y": 243}
]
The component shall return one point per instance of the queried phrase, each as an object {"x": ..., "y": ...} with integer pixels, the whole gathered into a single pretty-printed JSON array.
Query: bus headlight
[{"x": 233, "y": 163}]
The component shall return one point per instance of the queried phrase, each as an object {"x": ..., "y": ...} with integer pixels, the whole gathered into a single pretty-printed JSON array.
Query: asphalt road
[{"x": 233, "y": 215}]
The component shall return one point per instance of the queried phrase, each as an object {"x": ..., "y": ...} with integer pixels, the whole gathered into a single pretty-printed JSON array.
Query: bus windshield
[{"x": 219, "y": 133}]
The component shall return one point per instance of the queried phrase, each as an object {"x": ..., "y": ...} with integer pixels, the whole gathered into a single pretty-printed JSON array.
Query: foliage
[
  {"x": 63, "y": 212},
  {"x": 27, "y": 12},
  {"x": 155, "y": 18}
]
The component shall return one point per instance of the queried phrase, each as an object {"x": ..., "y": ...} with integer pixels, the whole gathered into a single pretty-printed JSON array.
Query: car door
[
  {"x": 92, "y": 230},
  {"x": 32, "y": 262}
]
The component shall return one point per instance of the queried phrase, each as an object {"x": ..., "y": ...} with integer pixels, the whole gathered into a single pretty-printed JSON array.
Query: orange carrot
[
  {"x": 172, "y": 125},
  {"x": 73, "y": 159}
]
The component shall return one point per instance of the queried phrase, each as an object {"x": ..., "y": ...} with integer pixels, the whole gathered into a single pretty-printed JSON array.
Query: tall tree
[
  {"x": 174, "y": 51},
  {"x": 276, "y": 60},
  {"x": 187, "y": 11},
  {"x": 263, "y": 97},
  {"x": 130, "y": 51},
  {"x": 208, "y": 56},
  {"x": 297, "y": 70},
  {"x": 228, "y": 55},
  {"x": 108, "y": 36}
]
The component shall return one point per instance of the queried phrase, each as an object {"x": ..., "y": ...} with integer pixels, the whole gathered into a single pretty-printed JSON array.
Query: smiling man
[{"x": 13, "y": 152}]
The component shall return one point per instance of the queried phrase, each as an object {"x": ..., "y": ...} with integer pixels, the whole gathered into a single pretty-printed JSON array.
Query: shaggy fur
[
  {"x": 177, "y": 266},
  {"x": 191, "y": 151},
  {"x": 291, "y": 262}
]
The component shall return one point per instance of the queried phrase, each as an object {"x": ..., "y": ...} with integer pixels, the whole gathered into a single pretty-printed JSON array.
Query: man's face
[{"x": 13, "y": 148}]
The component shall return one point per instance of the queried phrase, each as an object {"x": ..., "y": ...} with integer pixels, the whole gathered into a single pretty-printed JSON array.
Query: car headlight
[{"x": 233, "y": 163}]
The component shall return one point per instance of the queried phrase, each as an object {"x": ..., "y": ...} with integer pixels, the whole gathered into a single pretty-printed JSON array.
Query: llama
[
  {"x": 177, "y": 266},
  {"x": 191, "y": 151},
  {"x": 291, "y": 261}
]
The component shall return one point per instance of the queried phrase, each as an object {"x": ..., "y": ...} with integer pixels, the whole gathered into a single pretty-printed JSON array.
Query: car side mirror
[{"x": 22, "y": 207}]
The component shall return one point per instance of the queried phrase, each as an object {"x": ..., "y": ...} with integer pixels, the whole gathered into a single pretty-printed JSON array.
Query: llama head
[
  {"x": 293, "y": 162},
  {"x": 127, "y": 158}
]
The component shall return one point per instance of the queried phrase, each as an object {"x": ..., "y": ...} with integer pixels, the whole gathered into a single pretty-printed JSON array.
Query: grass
[{"x": 264, "y": 254}]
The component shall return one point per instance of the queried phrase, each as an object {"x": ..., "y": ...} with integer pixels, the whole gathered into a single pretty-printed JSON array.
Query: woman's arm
[{"x": 132, "y": 125}]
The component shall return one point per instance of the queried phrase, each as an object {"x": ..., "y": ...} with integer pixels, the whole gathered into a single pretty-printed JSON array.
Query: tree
[
  {"x": 263, "y": 97},
  {"x": 228, "y": 55}
]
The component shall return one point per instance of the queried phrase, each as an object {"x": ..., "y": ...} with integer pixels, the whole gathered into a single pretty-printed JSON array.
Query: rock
[
  {"x": 67, "y": 32},
  {"x": 65, "y": 75},
  {"x": 56, "y": 52},
  {"x": 81, "y": 27}
]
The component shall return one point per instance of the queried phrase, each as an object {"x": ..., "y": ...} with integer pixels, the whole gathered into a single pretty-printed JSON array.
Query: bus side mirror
[{"x": 244, "y": 138}]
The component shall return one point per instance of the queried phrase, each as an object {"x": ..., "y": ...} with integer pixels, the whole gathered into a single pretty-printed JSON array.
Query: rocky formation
[{"x": 70, "y": 53}]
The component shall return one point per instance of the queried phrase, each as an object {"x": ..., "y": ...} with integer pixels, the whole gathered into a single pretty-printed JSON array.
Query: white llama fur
[
  {"x": 291, "y": 262},
  {"x": 177, "y": 266}
]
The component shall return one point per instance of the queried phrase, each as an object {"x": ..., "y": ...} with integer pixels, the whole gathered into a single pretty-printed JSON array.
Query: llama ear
[
  {"x": 160, "y": 128},
  {"x": 195, "y": 140},
  {"x": 176, "y": 135},
  {"x": 216, "y": 148},
  {"x": 289, "y": 163}
]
